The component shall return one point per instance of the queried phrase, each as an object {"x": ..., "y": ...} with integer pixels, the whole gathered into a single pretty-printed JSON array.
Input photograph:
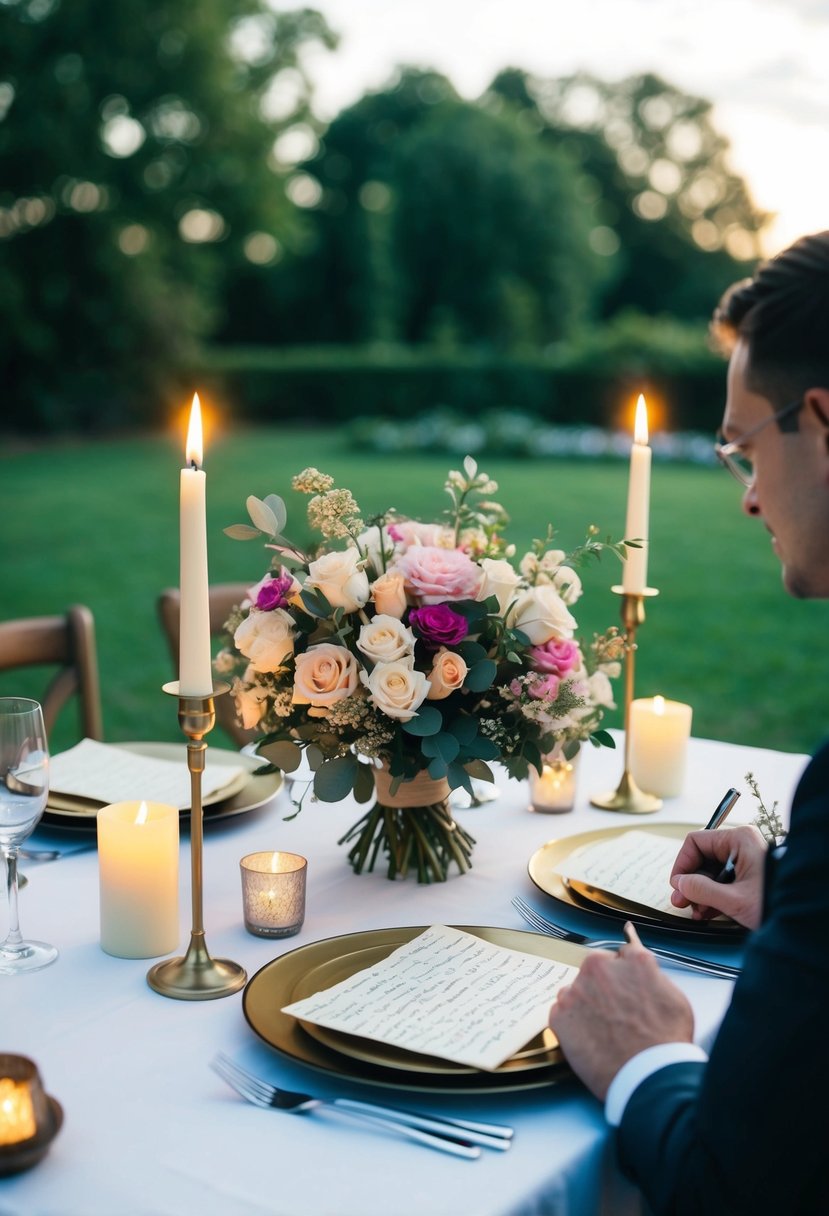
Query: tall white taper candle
[
  {"x": 195, "y": 671},
  {"x": 635, "y": 575}
]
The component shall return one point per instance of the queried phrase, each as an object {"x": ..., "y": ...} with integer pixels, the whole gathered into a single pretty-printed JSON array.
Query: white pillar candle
[
  {"x": 659, "y": 733},
  {"x": 195, "y": 670},
  {"x": 635, "y": 570},
  {"x": 138, "y": 868}
]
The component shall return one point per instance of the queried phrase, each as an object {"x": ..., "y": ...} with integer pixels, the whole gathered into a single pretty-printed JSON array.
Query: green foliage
[{"x": 137, "y": 168}]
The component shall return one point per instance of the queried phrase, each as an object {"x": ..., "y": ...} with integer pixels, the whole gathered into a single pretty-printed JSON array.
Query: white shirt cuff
[{"x": 631, "y": 1075}]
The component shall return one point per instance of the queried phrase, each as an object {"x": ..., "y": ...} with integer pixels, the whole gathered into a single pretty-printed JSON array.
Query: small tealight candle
[
  {"x": 659, "y": 733},
  {"x": 29, "y": 1118},
  {"x": 17, "y": 1112},
  {"x": 555, "y": 790},
  {"x": 273, "y": 893},
  {"x": 138, "y": 866}
]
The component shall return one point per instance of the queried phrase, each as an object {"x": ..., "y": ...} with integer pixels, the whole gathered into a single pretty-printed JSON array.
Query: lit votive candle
[
  {"x": 17, "y": 1112},
  {"x": 659, "y": 733},
  {"x": 138, "y": 866},
  {"x": 555, "y": 790},
  {"x": 273, "y": 893}
]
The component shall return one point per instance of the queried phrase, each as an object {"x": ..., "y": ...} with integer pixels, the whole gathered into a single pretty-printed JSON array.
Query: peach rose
[
  {"x": 324, "y": 675},
  {"x": 447, "y": 675},
  {"x": 389, "y": 594},
  {"x": 396, "y": 689}
]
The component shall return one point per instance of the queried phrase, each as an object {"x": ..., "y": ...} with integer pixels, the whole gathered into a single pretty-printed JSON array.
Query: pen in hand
[{"x": 726, "y": 873}]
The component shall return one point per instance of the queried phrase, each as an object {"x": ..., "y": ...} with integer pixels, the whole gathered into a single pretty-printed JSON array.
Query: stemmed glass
[{"x": 24, "y": 787}]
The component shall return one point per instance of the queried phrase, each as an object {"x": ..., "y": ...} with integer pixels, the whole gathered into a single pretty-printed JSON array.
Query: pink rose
[
  {"x": 544, "y": 688},
  {"x": 435, "y": 575},
  {"x": 558, "y": 656},
  {"x": 408, "y": 532},
  {"x": 324, "y": 675}
]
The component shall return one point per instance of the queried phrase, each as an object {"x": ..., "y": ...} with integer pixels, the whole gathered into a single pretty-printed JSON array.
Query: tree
[
  {"x": 680, "y": 220},
  {"x": 140, "y": 172}
]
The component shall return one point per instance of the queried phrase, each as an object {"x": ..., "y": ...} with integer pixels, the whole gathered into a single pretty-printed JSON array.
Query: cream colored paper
[
  {"x": 445, "y": 994},
  {"x": 635, "y": 866},
  {"x": 107, "y": 774}
]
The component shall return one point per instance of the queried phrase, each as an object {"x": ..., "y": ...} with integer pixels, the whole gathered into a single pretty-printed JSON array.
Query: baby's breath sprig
[
  {"x": 767, "y": 820},
  {"x": 463, "y": 514}
]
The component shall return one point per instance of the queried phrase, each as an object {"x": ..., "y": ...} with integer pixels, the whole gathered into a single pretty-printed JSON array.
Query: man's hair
[{"x": 782, "y": 313}]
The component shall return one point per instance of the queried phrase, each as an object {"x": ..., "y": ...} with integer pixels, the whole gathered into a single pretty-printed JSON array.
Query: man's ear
[{"x": 817, "y": 400}]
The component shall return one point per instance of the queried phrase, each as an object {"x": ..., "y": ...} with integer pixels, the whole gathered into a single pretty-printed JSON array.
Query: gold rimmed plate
[
  {"x": 310, "y": 968},
  {"x": 246, "y": 791},
  {"x": 543, "y": 863}
]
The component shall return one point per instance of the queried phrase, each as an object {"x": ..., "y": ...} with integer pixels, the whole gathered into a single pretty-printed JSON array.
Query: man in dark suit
[{"x": 744, "y": 1130}]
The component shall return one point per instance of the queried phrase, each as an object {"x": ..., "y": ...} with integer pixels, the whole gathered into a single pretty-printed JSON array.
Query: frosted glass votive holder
[{"x": 273, "y": 893}]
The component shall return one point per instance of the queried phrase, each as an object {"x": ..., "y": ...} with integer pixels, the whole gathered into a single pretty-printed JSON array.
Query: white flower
[
  {"x": 266, "y": 638},
  {"x": 251, "y": 703},
  {"x": 568, "y": 584},
  {"x": 341, "y": 579},
  {"x": 499, "y": 580},
  {"x": 376, "y": 545},
  {"x": 386, "y": 639},
  {"x": 396, "y": 689},
  {"x": 541, "y": 614},
  {"x": 601, "y": 690}
]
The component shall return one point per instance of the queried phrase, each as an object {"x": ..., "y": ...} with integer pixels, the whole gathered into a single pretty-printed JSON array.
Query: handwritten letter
[
  {"x": 446, "y": 994},
  {"x": 635, "y": 866}
]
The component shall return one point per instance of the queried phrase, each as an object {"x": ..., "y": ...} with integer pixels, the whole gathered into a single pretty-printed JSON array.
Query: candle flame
[
  {"x": 143, "y": 814},
  {"x": 194, "y": 448},
  {"x": 659, "y": 705},
  {"x": 275, "y": 863},
  {"x": 640, "y": 426}
]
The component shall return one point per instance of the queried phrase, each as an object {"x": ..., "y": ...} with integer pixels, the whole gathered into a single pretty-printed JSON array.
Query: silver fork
[
  {"x": 548, "y": 927},
  {"x": 456, "y": 1136}
]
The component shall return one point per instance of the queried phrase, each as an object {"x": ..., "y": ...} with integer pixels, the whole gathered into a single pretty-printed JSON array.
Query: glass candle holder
[
  {"x": 29, "y": 1118},
  {"x": 554, "y": 791},
  {"x": 273, "y": 893}
]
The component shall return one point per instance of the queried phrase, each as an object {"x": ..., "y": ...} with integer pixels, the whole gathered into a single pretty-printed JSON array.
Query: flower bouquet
[{"x": 402, "y": 657}]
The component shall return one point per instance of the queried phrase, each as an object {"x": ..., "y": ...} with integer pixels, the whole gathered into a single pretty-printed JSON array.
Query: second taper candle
[
  {"x": 635, "y": 574},
  {"x": 195, "y": 670}
]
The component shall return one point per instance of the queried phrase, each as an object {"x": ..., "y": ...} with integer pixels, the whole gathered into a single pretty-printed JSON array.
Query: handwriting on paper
[
  {"x": 447, "y": 994},
  {"x": 634, "y": 865},
  {"x": 106, "y": 773}
]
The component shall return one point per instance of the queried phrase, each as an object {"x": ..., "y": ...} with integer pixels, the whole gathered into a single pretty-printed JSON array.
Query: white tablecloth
[{"x": 150, "y": 1130}]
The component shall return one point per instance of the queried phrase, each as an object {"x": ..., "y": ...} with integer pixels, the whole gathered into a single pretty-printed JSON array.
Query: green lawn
[{"x": 97, "y": 522}]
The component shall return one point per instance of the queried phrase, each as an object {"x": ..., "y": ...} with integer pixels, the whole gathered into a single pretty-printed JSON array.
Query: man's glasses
[{"x": 732, "y": 455}]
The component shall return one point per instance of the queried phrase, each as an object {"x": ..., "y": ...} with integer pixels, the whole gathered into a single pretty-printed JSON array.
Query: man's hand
[
  {"x": 618, "y": 1005},
  {"x": 704, "y": 853}
]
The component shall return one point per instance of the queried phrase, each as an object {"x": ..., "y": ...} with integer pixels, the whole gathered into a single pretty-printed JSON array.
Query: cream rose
[
  {"x": 386, "y": 639},
  {"x": 266, "y": 639},
  {"x": 396, "y": 689},
  {"x": 324, "y": 675},
  {"x": 377, "y": 546},
  {"x": 541, "y": 614},
  {"x": 499, "y": 580},
  {"x": 341, "y": 579},
  {"x": 447, "y": 675},
  {"x": 251, "y": 703},
  {"x": 389, "y": 594}
]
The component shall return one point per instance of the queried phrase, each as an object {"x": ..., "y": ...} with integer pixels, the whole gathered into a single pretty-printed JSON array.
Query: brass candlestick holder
[
  {"x": 196, "y": 976},
  {"x": 627, "y": 796}
]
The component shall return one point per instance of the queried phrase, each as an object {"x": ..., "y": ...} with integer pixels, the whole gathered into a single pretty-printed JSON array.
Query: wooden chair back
[
  {"x": 69, "y": 642},
  {"x": 223, "y": 598}
]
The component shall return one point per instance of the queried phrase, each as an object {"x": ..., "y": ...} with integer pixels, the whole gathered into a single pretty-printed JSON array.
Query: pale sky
[{"x": 763, "y": 63}]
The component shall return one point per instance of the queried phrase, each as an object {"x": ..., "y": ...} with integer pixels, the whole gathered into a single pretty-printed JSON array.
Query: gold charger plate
[
  {"x": 541, "y": 1052},
  {"x": 244, "y": 793},
  {"x": 541, "y": 869},
  {"x": 276, "y": 984}
]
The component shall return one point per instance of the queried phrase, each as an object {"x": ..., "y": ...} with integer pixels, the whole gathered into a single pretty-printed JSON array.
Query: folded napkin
[{"x": 103, "y": 772}]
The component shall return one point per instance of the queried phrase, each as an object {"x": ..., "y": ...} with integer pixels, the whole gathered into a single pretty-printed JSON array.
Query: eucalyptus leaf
[
  {"x": 277, "y": 506},
  {"x": 482, "y": 748},
  {"x": 479, "y": 770},
  {"x": 481, "y": 676},
  {"x": 442, "y": 745},
  {"x": 459, "y": 777},
  {"x": 334, "y": 780},
  {"x": 464, "y": 729},
  {"x": 262, "y": 516},
  {"x": 427, "y": 722},
  {"x": 242, "y": 532},
  {"x": 471, "y": 652},
  {"x": 283, "y": 754},
  {"x": 437, "y": 768},
  {"x": 314, "y": 757},
  {"x": 602, "y": 738},
  {"x": 364, "y": 783}
]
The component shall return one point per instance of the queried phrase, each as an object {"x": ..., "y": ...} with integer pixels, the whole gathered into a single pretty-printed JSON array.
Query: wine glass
[{"x": 24, "y": 787}]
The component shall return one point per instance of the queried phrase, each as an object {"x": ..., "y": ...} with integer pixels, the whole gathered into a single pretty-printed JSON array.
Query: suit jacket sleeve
[{"x": 744, "y": 1133}]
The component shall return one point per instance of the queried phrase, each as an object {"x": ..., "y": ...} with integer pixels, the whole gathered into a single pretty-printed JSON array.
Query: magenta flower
[
  {"x": 558, "y": 656},
  {"x": 438, "y": 625},
  {"x": 274, "y": 592}
]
